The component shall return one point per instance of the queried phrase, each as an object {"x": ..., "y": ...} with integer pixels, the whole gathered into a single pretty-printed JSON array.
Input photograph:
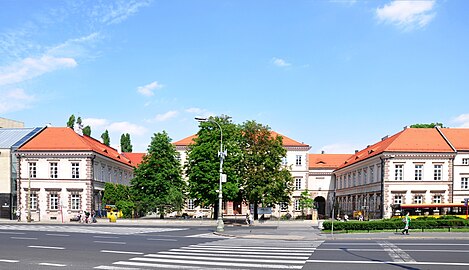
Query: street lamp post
[{"x": 222, "y": 155}]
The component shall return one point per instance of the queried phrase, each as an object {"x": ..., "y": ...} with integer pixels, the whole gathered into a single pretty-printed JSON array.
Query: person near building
[{"x": 406, "y": 220}]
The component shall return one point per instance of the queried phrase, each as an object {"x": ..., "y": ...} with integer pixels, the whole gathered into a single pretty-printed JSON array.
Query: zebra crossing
[
  {"x": 89, "y": 229},
  {"x": 230, "y": 254}
]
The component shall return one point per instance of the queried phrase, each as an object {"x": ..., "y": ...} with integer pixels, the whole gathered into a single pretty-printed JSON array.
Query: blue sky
[{"x": 337, "y": 75}]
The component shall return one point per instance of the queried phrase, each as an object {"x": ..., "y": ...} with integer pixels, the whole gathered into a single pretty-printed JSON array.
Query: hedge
[{"x": 394, "y": 224}]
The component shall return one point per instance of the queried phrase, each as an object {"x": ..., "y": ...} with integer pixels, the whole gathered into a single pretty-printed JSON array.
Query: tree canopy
[
  {"x": 106, "y": 138},
  {"x": 126, "y": 145},
  {"x": 431, "y": 125},
  {"x": 158, "y": 181},
  {"x": 203, "y": 162},
  {"x": 71, "y": 121}
]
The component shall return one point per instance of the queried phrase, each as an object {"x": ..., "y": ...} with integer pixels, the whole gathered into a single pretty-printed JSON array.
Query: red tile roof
[
  {"x": 65, "y": 139},
  {"x": 286, "y": 141},
  {"x": 459, "y": 137},
  {"x": 327, "y": 161},
  {"x": 408, "y": 140},
  {"x": 136, "y": 158}
]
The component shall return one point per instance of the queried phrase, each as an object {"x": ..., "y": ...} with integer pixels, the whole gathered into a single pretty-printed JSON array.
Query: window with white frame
[
  {"x": 190, "y": 204},
  {"x": 54, "y": 170},
  {"x": 54, "y": 201},
  {"x": 372, "y": 175},
  {"x": 75, "y": 201},
  {"x": 399, "y": 172},
  {"x": 354, "y": 177},
  {"x": 436, "y": 198},
  {"x": 297, "y": 205},
  {"x": 365, "y": 176},
  {"x": 465, "y": 161},
  {"x": 359, "y": 177},
  {"x": 32, "y": 169},
  {"x": 298, "y": 160},
  {"x": 437, "y": 171},
  {"x": 297, "y": 183},
  {"x": 418, "y": 172},
  {"x": 398, "y": 199},
  {"x": 464, "y": 182},
  {"x": 418, "y": 199},
  {"x": 75, "y": 170},
  {"x": 33, "y": 200}
]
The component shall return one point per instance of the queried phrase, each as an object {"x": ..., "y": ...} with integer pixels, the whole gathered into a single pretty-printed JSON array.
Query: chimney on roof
[
  {"x": 406, "y": 127},
  {"x": 356, "y": 151},
  {"x": 322, "y": 152},
  {"x": 385, "y": 137},
  {"x": 79, "y": 129}
]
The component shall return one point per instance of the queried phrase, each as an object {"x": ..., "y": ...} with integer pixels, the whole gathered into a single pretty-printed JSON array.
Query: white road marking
[
  {"x": 53, "y": 264},
  {"x": 109, "y": 242},
  {"x": 56, "y": 234},
  {"x": 160, "y": 239},
  {"x": 240, "y": 252},
  {"x": 105, "y": 267},
  {"x": 121, "y": 252},
  {"x": 158, "y": 256},
  {"x": 406, "y": 250},
  {"x": 390, "y": 262},
  {"x": 24, "y": 238},
  {"x": 396, "y": 254},
  {"x": 230, "y": 255},
  {"x": 230, "y": 264},
  {"x": 164, "y": 266},
  {"x": 258, "y": 247},
  {"x": 106, "y": 237},
  {"x": 46, "y": 247},
  {"x": 12, "y": 233},
  {"x": 8, "y": 261}
]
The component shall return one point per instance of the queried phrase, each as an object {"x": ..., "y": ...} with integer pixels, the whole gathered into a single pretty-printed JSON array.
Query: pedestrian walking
[
  {"x": 406, "y": 220},
  {"x": 18, "y": 214}
]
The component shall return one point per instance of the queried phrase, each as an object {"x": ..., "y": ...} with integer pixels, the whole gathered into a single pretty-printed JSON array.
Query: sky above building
[{"x": 337, "y": 75}]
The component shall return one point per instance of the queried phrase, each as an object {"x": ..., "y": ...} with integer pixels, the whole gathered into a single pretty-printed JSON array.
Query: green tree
[
  {"x": 71, "y": 121},
  {"x": 120, "y": 196},
  {"x": 126, "y": 145},
  {"x": 203, "y": 162},
  {"x": 158, "y": 179},
  {"x": 105, "y": 137},
  {"x": 305, "y": 201},
  {"x": 431, "y": 125},
  {"x": 87, "y": 131},
  {"x": 265, "y": 180}
]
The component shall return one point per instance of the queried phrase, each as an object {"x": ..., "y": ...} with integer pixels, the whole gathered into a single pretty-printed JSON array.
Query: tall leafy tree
[
  {"x": 126, "y": 145},
  {"x": 71, "y": 121},
  {"x": 305, "y": 201},
  {"x": 203, "y": 162},
  {"x": 106, "y": 138},
  {"x": 158, "y": 181},
  {"x": 264, "y": 179},
  {"x": 87, "y": 131}
]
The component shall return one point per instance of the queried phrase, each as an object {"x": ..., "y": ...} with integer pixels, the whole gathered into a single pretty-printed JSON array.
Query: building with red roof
[{"x": 63, "y": 173}]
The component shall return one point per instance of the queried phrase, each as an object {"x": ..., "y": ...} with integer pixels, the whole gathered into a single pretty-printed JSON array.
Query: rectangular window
[
  {"x": 398, "y": 199},
  {"x": 75, "y": 201},
  {"x": 418, "y": 199},
  {"x": 190, "y": 204},
  {"x": 33, "y": 201},
  {"x": 465, "y": 161},
  {"x": 418, "y": 172},
  {"x": 297, "y": 205},
  {"x": 284, "y": 206},
  {"x": 75, "y": 170},
  {"x": 465, "y": 183},
  {"x": 359, "y": 177},
  {"x": 284, "y": 161},
  {"x": 399, "y": 172},
  {"x": 365, "y": 176},
  {"x": 297, "y": 183},
  {"x": 371, "y": 175},
  {"x": 32, "y": 169},
  {"x": 437, "y": 172},
  {"x": 298, "y": 160},
  {"x": 54, "y": 201},
  {"x": 437, "y": 199},
  {"x": 54, "y": 170},
  {"x": 354, "y": 179}
]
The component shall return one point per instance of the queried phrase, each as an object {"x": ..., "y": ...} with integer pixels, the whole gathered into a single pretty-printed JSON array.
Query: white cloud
[
  {"x": 126, "y": 127},
  {"x": 76, "y": 47},
  {"x": 15, "y": 100},
  {"x": 407, "y": 14},
  {"x": 119, "y": 11},
  {"x": 462, "y": 120},
  {"x": 165, "y": 116},
  {"x": 33, "y": 67},
  {"x": 280, "y": 62},
  {"x": 147, "y": 90},
  {"x": 340, "y": 148},
  {"x": 95, "y": 122}
]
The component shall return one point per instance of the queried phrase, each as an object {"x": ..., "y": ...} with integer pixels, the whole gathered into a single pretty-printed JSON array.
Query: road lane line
[
  {"x": 46, "y": 247},
  {"x": 240, "y": 260},
  {"x": 230, "y": 255},
  {"x": 208, "y": 263},
  {"x": 155, "y": 265},
  {"x": 53, "y": 264},
  {"x": 106, "y": 237},
  {"x": 24, "y": 238},
  {"x": 109, "y": 242},
  {"x": 121, "y": 252},
  {"x": 255, "y": 247},
  {"x": 160, "y": 239},
  {"x": 406, "y": 250},
  {"x": 56, "y": 234},
  {"x": 389, "y": 262},
  {"x": 240, "y": 252},
  {"x": 12, "y": 233},
  {"x": 105, "y": 267},
  {"x": 8, "y": 261}
]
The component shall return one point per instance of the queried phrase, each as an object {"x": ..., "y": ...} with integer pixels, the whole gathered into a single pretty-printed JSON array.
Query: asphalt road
[{"x": 195, "y": 247}]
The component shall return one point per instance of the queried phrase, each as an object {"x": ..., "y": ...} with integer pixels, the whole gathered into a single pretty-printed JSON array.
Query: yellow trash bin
[{"x": 112, "y": 217}]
